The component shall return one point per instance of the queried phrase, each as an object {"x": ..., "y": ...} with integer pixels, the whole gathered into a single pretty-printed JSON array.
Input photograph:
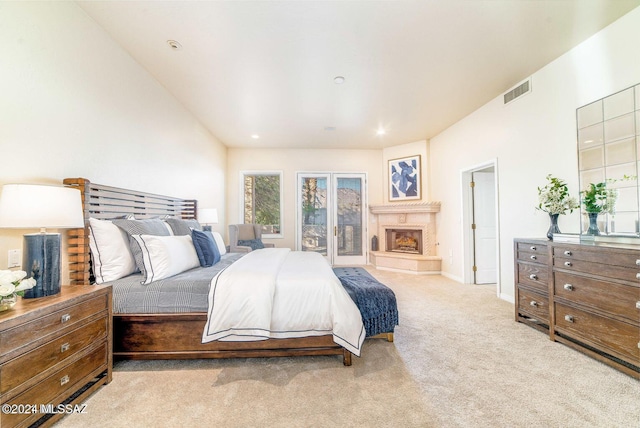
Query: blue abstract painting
[{"x": 404, "y": 178}]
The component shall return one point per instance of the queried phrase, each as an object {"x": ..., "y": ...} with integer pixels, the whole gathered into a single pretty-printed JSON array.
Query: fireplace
[
  {"x": 407, "y": 241},
  {"x": 407, "y": 237}
]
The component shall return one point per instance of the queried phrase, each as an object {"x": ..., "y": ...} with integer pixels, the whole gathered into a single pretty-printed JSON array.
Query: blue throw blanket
[{"x": 376, "y": 301}]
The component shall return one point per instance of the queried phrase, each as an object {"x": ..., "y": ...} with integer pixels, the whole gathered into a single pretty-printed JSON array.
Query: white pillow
[
  {"x": 110, "y": 251},
  {"x": 165, "y": 256},
  {"x": 220, "y": 243}
]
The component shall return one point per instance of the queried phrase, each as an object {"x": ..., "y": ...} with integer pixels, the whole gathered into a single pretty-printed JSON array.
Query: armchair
[{"x": 243, "y": 238}]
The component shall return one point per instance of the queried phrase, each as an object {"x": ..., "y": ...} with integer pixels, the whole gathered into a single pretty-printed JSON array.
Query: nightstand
[{"x": 54, "y": 352}]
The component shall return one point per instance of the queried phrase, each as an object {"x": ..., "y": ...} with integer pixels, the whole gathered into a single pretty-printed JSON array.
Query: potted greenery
[{"x": 554, "y": 199}]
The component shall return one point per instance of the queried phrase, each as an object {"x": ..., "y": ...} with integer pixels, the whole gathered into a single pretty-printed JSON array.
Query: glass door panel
[
  {"x": 349, "y": 219},
  {"x": 313, "y": 216}
]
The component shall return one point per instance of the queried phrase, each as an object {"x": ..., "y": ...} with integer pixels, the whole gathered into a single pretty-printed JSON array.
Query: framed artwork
[{"x": 404, "y": 179}]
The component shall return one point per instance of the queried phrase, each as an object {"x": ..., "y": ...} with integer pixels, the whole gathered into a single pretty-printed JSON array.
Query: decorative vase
[
  {"x": 7, "y": 302},
  {"x": 593, "y": 224},
  {"x": 553, "y": 228}
]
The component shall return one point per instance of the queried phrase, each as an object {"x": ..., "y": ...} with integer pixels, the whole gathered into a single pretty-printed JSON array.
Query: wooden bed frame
[{"x": 168, "y": 336}]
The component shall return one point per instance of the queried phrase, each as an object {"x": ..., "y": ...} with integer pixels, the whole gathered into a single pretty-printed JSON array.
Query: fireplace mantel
[
  {"x": 415, "y": 216},
  {"x": 410, "y": 207}
]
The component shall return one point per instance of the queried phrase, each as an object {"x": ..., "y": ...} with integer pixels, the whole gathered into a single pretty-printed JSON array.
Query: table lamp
[
  {"x": 207, "y": 217},
  {"x": 31, "y": 206}
]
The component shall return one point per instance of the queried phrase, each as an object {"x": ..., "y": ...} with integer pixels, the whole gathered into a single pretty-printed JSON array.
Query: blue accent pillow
[
  {"x": 255, "y": 244},
  {"x": 206, "y": 248}
]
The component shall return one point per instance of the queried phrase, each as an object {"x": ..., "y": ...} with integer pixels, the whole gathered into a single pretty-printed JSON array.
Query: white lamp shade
[
  {"x": 208, "y": 216},
  {"x": 27, "y": 206}
]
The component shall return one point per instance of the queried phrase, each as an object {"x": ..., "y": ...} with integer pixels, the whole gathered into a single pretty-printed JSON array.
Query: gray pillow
[
  {"x": 152, "y": 226},
  {"x": 183, "y": 227}
]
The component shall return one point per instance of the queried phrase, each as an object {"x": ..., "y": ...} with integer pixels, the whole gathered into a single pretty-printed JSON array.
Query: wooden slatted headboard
[{"x": 106, "y": 202}]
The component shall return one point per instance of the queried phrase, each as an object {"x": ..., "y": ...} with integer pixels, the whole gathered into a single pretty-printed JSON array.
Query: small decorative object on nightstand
[{"x": 12, "y": 285}]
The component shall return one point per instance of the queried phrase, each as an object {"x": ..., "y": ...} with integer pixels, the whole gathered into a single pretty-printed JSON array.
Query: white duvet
[{"x": 279, "y": 293}]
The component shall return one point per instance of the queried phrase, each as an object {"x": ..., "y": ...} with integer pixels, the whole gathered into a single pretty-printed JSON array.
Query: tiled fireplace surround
[{"x": 419, "y": 216}]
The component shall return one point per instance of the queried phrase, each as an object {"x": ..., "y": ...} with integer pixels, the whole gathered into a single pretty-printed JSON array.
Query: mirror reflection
[{"x": 608, "y": 158}]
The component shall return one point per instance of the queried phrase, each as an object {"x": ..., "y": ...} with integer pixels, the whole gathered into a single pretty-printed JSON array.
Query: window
[{"x": 262, "y": 201}]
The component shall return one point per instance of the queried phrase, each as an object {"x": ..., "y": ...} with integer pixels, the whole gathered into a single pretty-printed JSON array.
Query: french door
[{"x": 331, "y": 217}]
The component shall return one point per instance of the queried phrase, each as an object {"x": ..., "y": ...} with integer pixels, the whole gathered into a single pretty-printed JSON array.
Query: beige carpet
[{"x": 459, "y": 360}]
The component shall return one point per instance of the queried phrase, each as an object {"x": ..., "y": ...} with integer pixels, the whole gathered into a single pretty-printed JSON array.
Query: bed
[{"x": 144, "y": 332}]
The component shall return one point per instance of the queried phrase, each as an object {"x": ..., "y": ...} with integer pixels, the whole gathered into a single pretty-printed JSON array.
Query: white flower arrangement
[
  {"x": 554, "y": 198},
  {"x": 14, "y": 282}
]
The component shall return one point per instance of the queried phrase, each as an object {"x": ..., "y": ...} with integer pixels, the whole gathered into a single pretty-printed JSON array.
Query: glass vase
[
  {"x": 593, "y": 224},
  {"x": 7, "y": 302},
  {"x": 553, "y": 228}
]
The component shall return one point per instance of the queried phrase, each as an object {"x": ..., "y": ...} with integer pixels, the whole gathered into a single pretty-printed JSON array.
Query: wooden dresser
[
  {"x": 586, "y": 296},
  {"x": 54, "y": 352}
]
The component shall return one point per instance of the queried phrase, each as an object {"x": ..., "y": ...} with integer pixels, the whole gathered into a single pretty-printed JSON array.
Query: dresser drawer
[
  {"x": 530, "y": 252},
  {"x": 619, "y": 299},
  {"x": 23, "y": 368},
  {"x": 56, "y": 385},
  {"x": 629, "y": 259},
  {"x": 617, "y": 338},
  {"x": 600, "y": 269},
  {"x": 25, "y": 334},
  {"x": 533, "y": 275},
  {"x": 541, "y": 258},
  {"x": 533, "y": 305}
]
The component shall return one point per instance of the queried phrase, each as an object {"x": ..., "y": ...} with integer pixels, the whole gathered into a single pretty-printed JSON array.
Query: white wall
[
  {"x": 531, "y": 137},
  {"x": 290, "y": 162},
  {"x": 74, "y": 104}
]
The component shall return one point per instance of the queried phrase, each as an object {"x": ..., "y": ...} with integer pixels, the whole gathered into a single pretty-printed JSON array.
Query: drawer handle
[
  {"x": 65, "y": 318},
  {"x": 638, "y": 304},
  {"x": 568, "y": 263},
  {"x": 534, "y": 257},
  {"x": 64, "y": 380},
  {"x": 568, "y": 318},
  {"x": 64, "y": 348},
  {"x": 638, "y": 276},
  {"x": 568, "y": 287},
  {"x": 533, "y": 303},
  {"x": 567, "y": 253},
  {"x": 533, "y": 276},
  {"x": 533, "y": 248},
  {"x": 637, "y": 262}
]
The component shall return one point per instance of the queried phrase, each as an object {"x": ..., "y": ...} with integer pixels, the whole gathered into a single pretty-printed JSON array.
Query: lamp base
[{"x": 41, "y": 261}]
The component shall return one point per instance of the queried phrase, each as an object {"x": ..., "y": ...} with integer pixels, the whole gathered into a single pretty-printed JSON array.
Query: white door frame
[{"x": 467, "y": 215}]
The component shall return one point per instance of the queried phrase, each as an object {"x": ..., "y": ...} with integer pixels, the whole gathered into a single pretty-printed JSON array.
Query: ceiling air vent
[{"x": 518, "y": 91}]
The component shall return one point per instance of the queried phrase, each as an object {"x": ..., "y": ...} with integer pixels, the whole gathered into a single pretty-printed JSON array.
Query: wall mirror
[{"x": 608, "y": 158}]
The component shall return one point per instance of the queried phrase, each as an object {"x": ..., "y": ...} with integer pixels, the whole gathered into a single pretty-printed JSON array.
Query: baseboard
[
  {"x": 453, "y": 277},
  {"x": 509, "y": 298}
]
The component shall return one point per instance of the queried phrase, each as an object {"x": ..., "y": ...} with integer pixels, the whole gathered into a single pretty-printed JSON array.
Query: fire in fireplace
[{"x": 404, "y": 241}]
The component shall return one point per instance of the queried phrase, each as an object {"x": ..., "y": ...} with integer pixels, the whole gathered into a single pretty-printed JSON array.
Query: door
[
  {"x": 349, "y": 219},
  {"x": 484, "y": 226},
  {"x": 331, "y": 216}
]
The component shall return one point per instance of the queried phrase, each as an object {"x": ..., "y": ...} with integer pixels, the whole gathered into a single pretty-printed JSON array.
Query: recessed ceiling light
[
  {"x": 255, "y": 136},
  {"x": 176, "y": 46},
  {"x": 381, "y": 131},
  {"x": 338, "y": 80}
]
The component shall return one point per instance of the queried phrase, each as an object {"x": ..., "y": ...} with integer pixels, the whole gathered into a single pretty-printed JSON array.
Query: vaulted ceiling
[{"x": 411, "y": 68}]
